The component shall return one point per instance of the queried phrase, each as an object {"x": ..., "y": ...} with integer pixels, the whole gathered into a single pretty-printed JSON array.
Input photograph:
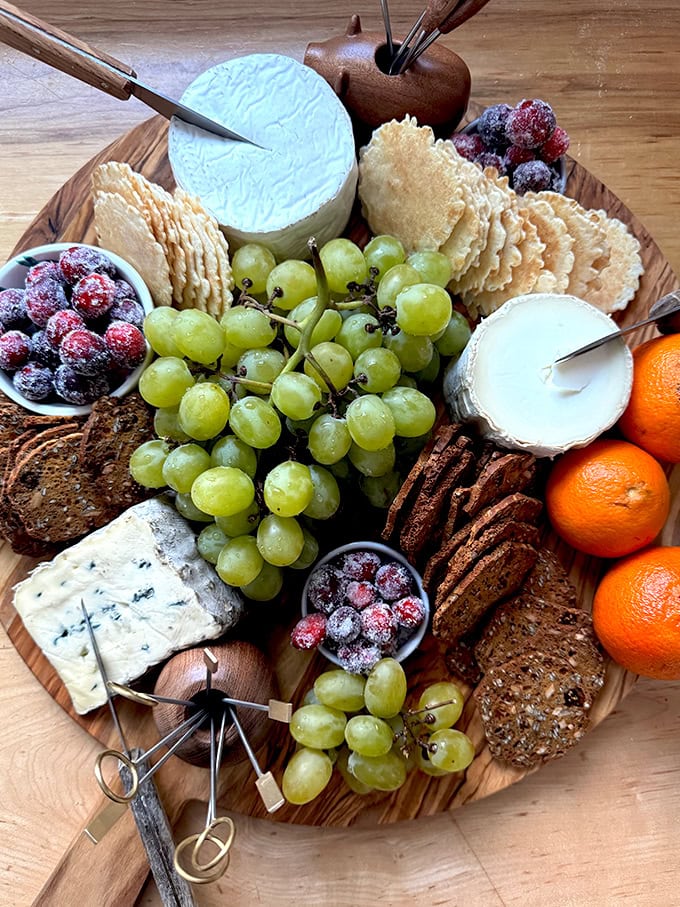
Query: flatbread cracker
[
  {"x": 618, "y": 282},
  {"x": 558, "y": 258}
]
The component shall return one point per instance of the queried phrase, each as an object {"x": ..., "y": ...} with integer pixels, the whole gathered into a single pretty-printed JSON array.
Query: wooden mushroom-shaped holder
[{"x": 243, "y": 673}]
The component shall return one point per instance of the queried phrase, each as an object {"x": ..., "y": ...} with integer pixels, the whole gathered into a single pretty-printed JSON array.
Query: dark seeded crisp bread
[
  {"x": 461, "y": 662},
  {"x": 548, "y": 581},
  {"x": 502, "y": 476}
]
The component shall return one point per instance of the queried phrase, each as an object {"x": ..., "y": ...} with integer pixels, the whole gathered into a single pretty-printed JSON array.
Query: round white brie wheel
[
  {"x": 301, "y": 183},
  {"x": 507, "y": 383}
]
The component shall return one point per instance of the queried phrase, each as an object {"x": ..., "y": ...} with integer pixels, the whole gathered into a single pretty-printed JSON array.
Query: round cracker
[
  {"x": 558, "y": 258},
  {"x": 618, "y": 282}
]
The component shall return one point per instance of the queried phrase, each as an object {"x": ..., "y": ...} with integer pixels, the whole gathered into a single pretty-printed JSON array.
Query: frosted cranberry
[
  {"x": 124, "y": 291},
  {"x": 85, "y": 352},
  {"x": 359, "y": 657},
  {"x": 360, "y": 565},
  {"x": 532, "y": 177},
  {"x": 60, "y": 324},
  {"x": 126, "y": 344},
  {"x": 78, "y": 389},
  {"x": 326, "y": 589},
  {"x": 489, "y": 159},
  {"x": 468, "y": 146},
  {"x": 44, "y": 270},
  {"x": 361, "y": 594},
  {"x": 15, "y": 350},
  {"x": 93, "y": 296},
  {"x": 409, "y": 611},
  {"x": 393, "y": 581},
  {"x": 309, "y": 632},
  {"x": 344, "y": 625},
  {"x": 379, "y": 625},
  {"x": 79, "y": 261},
  {"x": 127, "y": 310},
  {"x": 556, "y": 146},
  {"x": 492, "y": 123},
  {"x": 13, "y": 309},
  {"x": 34, "y": 381},
  {"x": 516, "y": 155},
  {"x": 43, "y": 351},
  {"x": 530, "y": 124},
  {"x": 43, "y": 299}
]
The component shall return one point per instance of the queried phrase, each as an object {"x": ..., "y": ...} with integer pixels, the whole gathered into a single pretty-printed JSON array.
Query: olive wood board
[{"x": 68, "y": 216}]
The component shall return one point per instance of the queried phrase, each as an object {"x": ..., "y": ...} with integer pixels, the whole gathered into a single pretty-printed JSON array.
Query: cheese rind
[{"x": 147, "y": 591}]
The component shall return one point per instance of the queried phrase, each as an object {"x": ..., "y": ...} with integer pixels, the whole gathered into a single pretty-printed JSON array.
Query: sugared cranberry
[
  {"x": 409, "y": 611},
  {"x": 530, "y": 124},
  {"x": 344, "y": 625},
  {"x": 468, "y": 146},
  {"x": 360, "y": 594},
  {"x": 79, "y": 261},
  {"x": 85, "y": 352},
  {"x": 93, "y": 296},
  {"x": 126, "y": 344},
  {"x": 13, "y": 309},
  {"x": 127, "y": 310},
  {"x": 515, "y": 155},
  {"x": 78, "y": 389},
  {"x": 15, "y": 350},
  {"x": 44, "y": 270},
  {"x": 60, "y": 324},
  {"x": 34, "y": 381},
  {"x": 393, "y": 581},
  {"x": 533, "y": 176},
  {"x": 359, "y": 657},
  {"x": 124, "y": 291},
  {"x": 309, "y": 632},
  {"x": 360, "y": 565},
  {"x": 43, "y": 299},
  {"x": 491, "y": 125},
  {"x": 43, "y": 351},
  {"x": 489, "y": 159},
  {"x": 379, "y": 625},
  {"x": 556, "y": 146},
  {"x": 326, "y": 589}
]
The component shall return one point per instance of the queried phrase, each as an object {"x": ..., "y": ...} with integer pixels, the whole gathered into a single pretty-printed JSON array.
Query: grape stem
[{"x": 323, "y": 300}]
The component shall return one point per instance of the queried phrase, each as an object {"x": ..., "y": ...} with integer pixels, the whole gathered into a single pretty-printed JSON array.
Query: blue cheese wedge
[{"x": 148, "y": 593}]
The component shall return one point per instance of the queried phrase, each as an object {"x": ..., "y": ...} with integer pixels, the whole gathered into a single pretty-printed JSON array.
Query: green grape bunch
[{"x": 316, "y": 375}]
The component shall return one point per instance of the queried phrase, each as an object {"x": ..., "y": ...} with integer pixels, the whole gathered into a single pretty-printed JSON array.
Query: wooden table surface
[{"x": 597, "y": 827}]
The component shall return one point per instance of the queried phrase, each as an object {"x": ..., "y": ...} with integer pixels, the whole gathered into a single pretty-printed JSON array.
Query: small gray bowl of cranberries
[
  {"x": 71, "y": 319},
  {"x": 523, "y": 143},
  {"x": 360, "y": 603}
]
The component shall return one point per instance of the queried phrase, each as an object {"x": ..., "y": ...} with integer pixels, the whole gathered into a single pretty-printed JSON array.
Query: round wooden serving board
[{"x": 68, "y": 216}]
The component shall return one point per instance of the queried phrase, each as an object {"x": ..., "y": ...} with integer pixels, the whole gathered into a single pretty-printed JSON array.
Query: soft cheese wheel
[
  {"x": 506, "y": 381},
  {"x": 301, "y": 183}
]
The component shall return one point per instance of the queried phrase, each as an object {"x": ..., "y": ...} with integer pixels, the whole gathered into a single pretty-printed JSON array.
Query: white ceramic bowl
[
  {"x": 412, "y": 643},
  {"x": 13, "y": 275}
]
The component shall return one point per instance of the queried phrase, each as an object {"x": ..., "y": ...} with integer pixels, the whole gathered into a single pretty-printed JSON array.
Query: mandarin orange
[
  {"x": 636, "y": 613},
  {"x": 607, "y": 499}
]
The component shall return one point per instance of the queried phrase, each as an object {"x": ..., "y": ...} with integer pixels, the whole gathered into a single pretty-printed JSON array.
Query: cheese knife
[{"x": 62, "y": 51}]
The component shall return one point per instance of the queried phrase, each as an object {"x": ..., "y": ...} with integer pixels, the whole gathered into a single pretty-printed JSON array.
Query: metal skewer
[
  {"x": 403, "y": 50},
  {"x": 266, "y": 784},
  {"x": 459, "y": 13},
  {"x": 276, "y": 710},
  {"x": 147, "y": 699},
  {"x": 388, "y": 27}
]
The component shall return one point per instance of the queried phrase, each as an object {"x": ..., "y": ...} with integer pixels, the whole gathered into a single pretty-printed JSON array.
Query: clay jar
[
  {"x": 435, "y": 90},
  {"x": 243, "y": 673}
]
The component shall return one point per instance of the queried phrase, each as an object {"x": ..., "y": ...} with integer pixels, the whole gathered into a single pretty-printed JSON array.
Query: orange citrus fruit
[
  {"x": 607, "y": 499},
  {"x": 652, "y": 418},
  {"x": 636, "y": 613}
]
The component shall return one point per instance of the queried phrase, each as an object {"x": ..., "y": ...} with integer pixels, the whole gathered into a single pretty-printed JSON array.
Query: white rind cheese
[
  {"x": 506, "y": 383},
  {"x": 147, "y": 591},
  {"x": 300, "y": 183}
]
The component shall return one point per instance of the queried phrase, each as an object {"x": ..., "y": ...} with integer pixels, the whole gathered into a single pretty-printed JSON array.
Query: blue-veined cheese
[
  {"x": 301, "y": 183},
  {"x": 148, "y": 593}
]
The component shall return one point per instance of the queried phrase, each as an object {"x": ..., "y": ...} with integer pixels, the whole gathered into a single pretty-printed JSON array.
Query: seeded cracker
[{"x": 617, "y": 283}]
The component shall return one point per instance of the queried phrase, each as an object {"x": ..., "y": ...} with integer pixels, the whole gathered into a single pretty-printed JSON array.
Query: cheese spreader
[{"x": 56, "y": 48}]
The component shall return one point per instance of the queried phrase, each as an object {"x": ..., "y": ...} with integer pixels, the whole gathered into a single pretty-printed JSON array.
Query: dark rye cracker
[
  {"x": 548, "y": 581},
  {"x": 505, "y": 475},
  {"x": 461, "y": 661}
]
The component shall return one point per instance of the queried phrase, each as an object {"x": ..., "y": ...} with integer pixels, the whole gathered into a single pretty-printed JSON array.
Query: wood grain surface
[{"x": 589, "y": 829}]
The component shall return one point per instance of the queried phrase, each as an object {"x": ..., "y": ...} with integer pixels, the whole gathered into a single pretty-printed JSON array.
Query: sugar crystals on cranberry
[
  {"x": 309, "y": 632},
  {"x": 344, "y": 624},
  {"x": 85, "y": 352},
  {"x": 326, "y": 588},
  {"x": 13, "y": 312},
  {"x": 360, "y": 565},
  {"x": 379, "y": 625},
  {"x": 34, "y": 381},
  {"x": 360, "y": 594},
  {"x": 43, "y": 299},
  {"x": 393, "y": 581},
  {"x": 15, "y": 350},
  {"x": 125, "y": 343},
  {"x": 77, "y": 389},
  {"x": 79, "y": 261}
]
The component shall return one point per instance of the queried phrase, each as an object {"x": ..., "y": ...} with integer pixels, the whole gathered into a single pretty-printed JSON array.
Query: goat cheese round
[
  {"x": 300, "y": 183},
  {"x": 506, "y": 380}
]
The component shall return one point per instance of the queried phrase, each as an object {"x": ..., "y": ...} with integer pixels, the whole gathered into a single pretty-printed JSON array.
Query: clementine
[
  {"x": 607, "y": 499},
  {"x": 636, "y": 613},
  {"x": 652, "y": 418}
]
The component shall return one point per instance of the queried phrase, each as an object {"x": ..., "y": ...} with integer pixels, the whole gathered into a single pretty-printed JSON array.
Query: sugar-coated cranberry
[
  {"x": 344, "y": 625},
  {"x": 93, "y": 296},
  {"x": 2, "y": 328},
  {"x": 34, "y": 381},
  {"x": 78, "y": 389},
  {"x": 515, "y": 155},
  {"x": 44, "y": 270},
  {"x": 124, "y": 291},
  {"x": 85, "y": 352},
  {"x": 127, "y": 310},
  {"x": 60, "y": 324},
  {"x": 393, "y": 581},
  {"x": 79, "y": 261},
  {"x": 361, "y": 594},
  {"x": 556, "y": 180},
  {"x": 556, "y": 146},
  {"x": 491, "y": 125},
  {"x": 359, "y": 657},
  {"x": 530, "y": 124},
  {"x": 13, "y": 309},
  {"x": 409, "y": 611},
  {"x": 126, "y": 344},
  {"x": 15, "y": 350},
  {"x": 309, "y": 632},
  {"x": 360, "y": 565},
  {"x": 533, "y": 176},
  {"x": 468, "y": 146},
  {"x": 43, "y": 351},
  {"x": 43, "y": 299},
  {"x": 326, "y": 589},
  {"x": 489, "y": 159},
  {"x": 379, "y": 625}
]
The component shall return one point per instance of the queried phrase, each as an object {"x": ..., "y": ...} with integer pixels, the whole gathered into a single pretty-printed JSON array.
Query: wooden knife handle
[
  {"x": 461, "y": 13},
  {"x": 42, "y": 41}
]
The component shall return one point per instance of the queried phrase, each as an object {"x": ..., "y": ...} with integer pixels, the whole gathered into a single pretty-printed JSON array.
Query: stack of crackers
[
  {"x": 64, "y": 477},
  {"x": 499, "y": 244},
  {"x": 177, "y": 247}
]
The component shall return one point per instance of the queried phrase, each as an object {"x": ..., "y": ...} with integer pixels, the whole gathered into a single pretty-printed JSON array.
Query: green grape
[
  {"x": 385, "y": 689},
  {"x": 260, "y": 366},
  {"x": 231, "y": 355},
  {"x": 158, "y": 330},
  {"x": 329, "y": 439},
  {"x": 340, "y": 690},
  {"x": 423, "y": 309},
  {"x": 222, "y": 491},
  {"x": 325, "y": 329},
  {"x": 296, "y": 279},
  {"x": 341, "y": 469},
  {"x": 164, "y": 381},
  {"x": 166, "y": 424},
  {"x": 280, "y": 540},
  {"x": 343, "y": 263},
  {"x": 368, "y": 735},
  {"x": 255, "y": 422},
  {"x": 374, "y": 463},
  {"x": 232, "y": 451},
  {"x": 319, "y": 726},
  {"x": 241, "y": 523},
  {"x": 184, "y": 464},
  {"x": 413, "y": 411},
  {"x": 296, "y": 395},
  {"x": 359, "y": 332},
  {"x": 210, "y": 542},
  {"x": 456, "y": 335},
  {"x": 190, "y": 511},
  {"x": 198, "y": 336},
  {"x": 370, "y": 422},
  {"x": 146, "y": 463},
  {"x": 425, "y": 765},
  {"x": 445, "y": 716},
  {"x": 393, "y": 282},
  {"x": 377, "y": 370},
  {"x": 381, "y": 490},
  {"x": 254, "y": 262},
  {"x": 299, "y": 427},
  {"x": 239, "y": 561},
  {"x": 433, "y": 267},
  {"x": 310, "y": 698},
  {"x": 454, "y": 750},
  {"x": 334, "y": 361},
  {"x": 225, "y": 379},
  {"x": 288, "y": 488},
  {"x": 247, "y": 328},
  {"x": 430, "y": 373},
  {"x": 414, "y": 353},
  {"x": 386, "y": 772},
  {"x": 408, "y": 380},
  {"x": 382, "y": 253},
  {"x": 266, "y": 585},
  {"x": 306, "y": 775},
  {"x": 353, "y": 783},
  {"x": 204, "y": 411},
  {"x": 325, "y": 494},
  {"x": 309, "y": 553}
]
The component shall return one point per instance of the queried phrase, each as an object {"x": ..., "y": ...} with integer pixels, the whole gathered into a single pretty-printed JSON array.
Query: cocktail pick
[
  {"x": 276, "y": 710},
  {"x": 434, "y": 14},
  {"x": 460, "y": 13},
  {"x": 266, "y": 784},
  {"x": 403, "y": 50},
  {"x": 147, "y": 699},
  {"x": 388, "y": 27}
]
